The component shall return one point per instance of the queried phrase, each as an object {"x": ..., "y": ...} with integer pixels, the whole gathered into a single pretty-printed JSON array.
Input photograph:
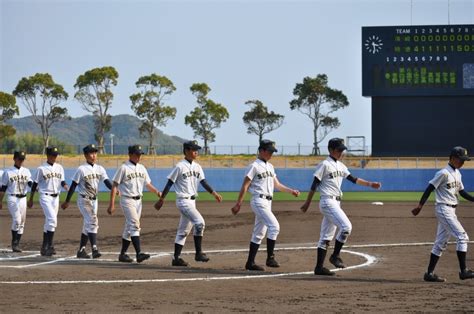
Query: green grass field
[{"x": 278, "y": 196}]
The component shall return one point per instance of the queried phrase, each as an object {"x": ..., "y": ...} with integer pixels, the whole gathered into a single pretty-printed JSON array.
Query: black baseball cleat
[
  {"x": 201, "y": 257},
  {"x": 16, "y": 248},
  {"x": 82, "y": 254},
  {"x": 53, "y": 250},
  {"x": 142, "y": 257},
  {"x": 49, "y": 252},
  {"x": 124, "y": 258},
  {"x": 96, "y": 253},
  {"x": 432, "y": 277},
  {"x": 323, "y": 271},
  {"x": 179, "y": 262},
  {"x": 466, "y": 274},
  {"x": 253, "y": 267},
  {"x": 43, "y": 251},
  {"x": 271, "y": 262},
  {"x": 337, "y": 261}
]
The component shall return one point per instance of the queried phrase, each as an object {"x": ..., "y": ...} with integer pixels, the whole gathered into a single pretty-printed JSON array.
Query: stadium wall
[{"x": 230, "y": 180}]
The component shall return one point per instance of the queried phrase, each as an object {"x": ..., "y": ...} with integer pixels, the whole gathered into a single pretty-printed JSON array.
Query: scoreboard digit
[{"x": 430, "y": 60}]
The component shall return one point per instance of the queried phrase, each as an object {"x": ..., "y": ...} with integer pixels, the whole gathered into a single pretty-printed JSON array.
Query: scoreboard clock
[{"x": 429, "y": 60}]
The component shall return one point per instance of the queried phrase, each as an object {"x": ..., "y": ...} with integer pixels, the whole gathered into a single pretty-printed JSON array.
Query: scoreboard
[{"x": 429, "y": 60}]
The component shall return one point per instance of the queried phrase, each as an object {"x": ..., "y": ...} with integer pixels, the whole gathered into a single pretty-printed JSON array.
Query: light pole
[{"x": 111, "y": 143}]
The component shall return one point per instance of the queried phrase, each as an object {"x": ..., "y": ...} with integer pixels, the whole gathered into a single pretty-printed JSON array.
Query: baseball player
[
  {"x": 186, "y": 176},
  {"x": 328, "y": 176},
  {"x": 49, "y": 179},
  {"x": 260, "y": 180},
  {"x": 14, "y": 183},
  {"x": 447, "y": 184},
  {"x": 87, "y": 179},
  {"x": 129, "y": 180}
]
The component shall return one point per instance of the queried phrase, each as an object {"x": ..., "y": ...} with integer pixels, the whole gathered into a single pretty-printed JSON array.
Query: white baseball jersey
[
  {"x": 16, "y": 180},
  {"x": 186, "y": 177},
  {"x": 263, "y": 176},
  {"x": 88, "y": 178},
  {"x": 447, "y": 182},
  {"x": 49, "y": 178},
  {"x": 131, "y": 178},
  {"x": 331, "y": 173}
]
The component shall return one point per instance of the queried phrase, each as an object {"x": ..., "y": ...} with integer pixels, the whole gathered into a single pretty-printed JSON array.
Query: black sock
[
  {"x": 50, "y": 236},
  {"x": 14, "y": 236},
  {"x": 136, "y": 244},
  {"x": 18, "y": 237},
  {"x": 270, "y": 247},
  {"x": 433, "y": 260},
  {"x": 83, "y": 242},
  {"x": 197, "y": 243},
  {"x": 321, "y": 257},
  {"x": 177, "y": 250},
  {"x": 462, "y": 260},
  {"x": 45, "y": 239},
  {"x": 93, "y": 240},
  {"x": 252, "y": 252},
  {"x": 125, "y": 245},
  {"x": 337, "y": 248}
]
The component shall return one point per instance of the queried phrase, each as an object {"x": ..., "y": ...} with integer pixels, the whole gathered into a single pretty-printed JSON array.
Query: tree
[
  {"x": 9, "y": 109},
  {"x": 94, "y": 92},
  {"x": 315, "y": 99},
  {"x": 207, "y": 116},
  {"x": 148, "y": 104},
  {"x": 259, "y": 120},
  {"x": 42, "y": 98}
]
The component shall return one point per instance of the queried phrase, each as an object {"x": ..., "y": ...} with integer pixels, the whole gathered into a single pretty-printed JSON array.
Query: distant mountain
[{"x": 80, "y": 131}]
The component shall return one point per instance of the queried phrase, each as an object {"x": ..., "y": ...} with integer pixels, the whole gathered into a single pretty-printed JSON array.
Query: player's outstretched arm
[
  {"x": 283, "y": 188},
  {"x": 152, "y": 189},
  {"x": 2, "y": 193},
  {"x": 415, "y": 211},
  {"x": 32, "y": 193},
  {"x": 161, "y": 201},
  {"x": 208, "y": 188},
  {"x": 113, "y": 192},
  {"x": 70, "y": 192},
  {"x": 466, "y": 195},
  {"x": 243, "y": 190},
  {"x": 374, "y": 185},
  {"x": 311, "y": 192}
]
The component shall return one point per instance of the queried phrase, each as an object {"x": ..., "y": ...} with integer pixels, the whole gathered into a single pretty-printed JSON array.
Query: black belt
[
  {"x": 53, "y": 195},
  {"x": 337, "y": 198},
  {"x": 267, "y": 197},
  {"x": 453, "y": 206},
  {"x": 192, "y": 197},
  {"x": 92, "y": 198},
  {"x": 134, "y": 197},
  {"x": 19, "y": 195}
]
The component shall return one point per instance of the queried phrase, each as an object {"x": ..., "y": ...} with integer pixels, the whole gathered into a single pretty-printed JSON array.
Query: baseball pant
[
  {"x": 264, "y": 220},
  {"x": 132, "y": 210},
  {"x": 448, "y": 225},
  {"x": 50, "y": 207},
  {"x": 88, "y": 210},
  {"x": 190, "y": 217},
  {"x": 17, "y": 209},
  {"x": 333, "y": 218}
]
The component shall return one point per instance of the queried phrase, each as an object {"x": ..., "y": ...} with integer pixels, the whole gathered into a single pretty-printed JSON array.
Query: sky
[{"x": 244, "y": 50}]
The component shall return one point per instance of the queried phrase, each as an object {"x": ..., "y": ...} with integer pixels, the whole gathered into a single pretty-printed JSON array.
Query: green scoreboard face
[{"x": 429, "y": 60}]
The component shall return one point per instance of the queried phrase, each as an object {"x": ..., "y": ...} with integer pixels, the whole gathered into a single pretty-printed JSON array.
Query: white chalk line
[{"x": 369, "y": 259}]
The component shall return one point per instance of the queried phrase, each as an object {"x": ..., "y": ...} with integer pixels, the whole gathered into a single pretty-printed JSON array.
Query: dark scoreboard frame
[{"x": 428, "y": 60}]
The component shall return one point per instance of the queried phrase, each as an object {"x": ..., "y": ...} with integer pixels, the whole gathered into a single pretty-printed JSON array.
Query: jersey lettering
[
  {"x": 191, "y": 174},
  {"x": 51, "y": 175},
  {"x": 134, "y": 175},
  {"x": 19, "y": 179},
  {"x": 265, "y": 175},
  {"x": 336, "y": 174}
]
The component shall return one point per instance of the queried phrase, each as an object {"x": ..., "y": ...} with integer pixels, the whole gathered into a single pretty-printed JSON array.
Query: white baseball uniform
[
  {"x": 87, "y": 178},
  {"x": 16, "y": 180},
  {"x": 49, "y": 178},
  {"x": 186, "y": 177},
  {"x": 447, "y": 183},
  {"x": 131, "y": 179},
  {"x": 330, "y": 173},
  {"x": 262, "y": 176}
]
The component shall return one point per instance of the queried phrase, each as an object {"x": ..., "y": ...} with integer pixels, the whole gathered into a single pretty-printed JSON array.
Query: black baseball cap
[
  {"x": 135, "y": 149},
  {"x": 268, "y": 146},
  {"x": 460, "y": 152},
  {"x": 19, "y": 155},
  {"x": 52, "y": 151},
  {"x": 337, "y": 144},
  {"x": 193, "y": 145},
  {"x": 91, "y": 148}
]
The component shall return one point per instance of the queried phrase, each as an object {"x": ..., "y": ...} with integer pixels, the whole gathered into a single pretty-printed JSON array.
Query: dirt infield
[{"x": 391, "y": 282}]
